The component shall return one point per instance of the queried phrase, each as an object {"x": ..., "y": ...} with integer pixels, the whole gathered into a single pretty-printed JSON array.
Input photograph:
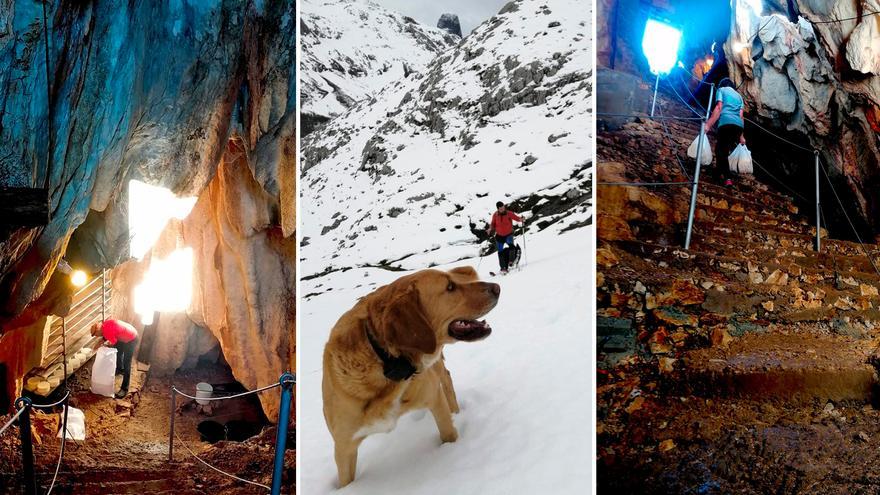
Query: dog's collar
[{"x": 396, "y": 368}]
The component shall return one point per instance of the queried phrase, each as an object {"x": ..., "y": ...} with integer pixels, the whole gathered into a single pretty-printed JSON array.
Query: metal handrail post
[
  {"x": 690, "y": 227},
  {"x": 711, "y": 95},
  {"x": 818, "y": 214},
  {"x": 27, "y": 446},
  {"x": 171, "y": 428},
  {"x": 654, "y": 101},
  {"x": 287, "y": 380}
]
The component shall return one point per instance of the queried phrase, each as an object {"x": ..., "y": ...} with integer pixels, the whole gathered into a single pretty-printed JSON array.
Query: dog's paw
[{"x": 449, "y": 436}]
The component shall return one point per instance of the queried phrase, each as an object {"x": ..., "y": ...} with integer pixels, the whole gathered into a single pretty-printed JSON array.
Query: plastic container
[
  {"x": 104, "y": 372},
  {"x": 76, "y": 424},
  {"x": 204, "y": 390}
]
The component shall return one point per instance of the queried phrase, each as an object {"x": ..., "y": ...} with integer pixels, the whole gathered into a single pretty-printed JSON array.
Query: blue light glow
[{"x": 660, "y": 45}]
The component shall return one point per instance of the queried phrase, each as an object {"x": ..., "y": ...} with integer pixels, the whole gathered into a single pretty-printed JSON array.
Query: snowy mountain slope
[
  {"x": 353, "y": 48},
  {"x": 524, "y": 425},
  {"x": 504, "y": 115}
]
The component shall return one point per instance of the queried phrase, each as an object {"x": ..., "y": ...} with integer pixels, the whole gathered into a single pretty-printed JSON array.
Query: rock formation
[
  {"x": 243, "y": 284},
  {"x": 450, "y": 24},
  {"x": 156, "y": 101},
  {"x": 817, "y": 80}
]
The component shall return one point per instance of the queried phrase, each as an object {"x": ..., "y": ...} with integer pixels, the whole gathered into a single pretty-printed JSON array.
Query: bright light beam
[
  {"x": 660, "y": 45},
  {"x": 149, "y": 209},
  {"x": 166, "y": 287}
]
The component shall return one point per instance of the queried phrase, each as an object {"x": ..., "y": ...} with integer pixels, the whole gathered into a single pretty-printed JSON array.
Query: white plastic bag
[
  {"x": 740, "y": 160},
  {"x": 706, "y": 151},
  {"x": 76, "y": 424},
  {"x": 104, "y": 372}
]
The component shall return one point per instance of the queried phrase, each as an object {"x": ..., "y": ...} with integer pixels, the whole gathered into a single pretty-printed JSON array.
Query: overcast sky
[{"x": 470, "y": 12}]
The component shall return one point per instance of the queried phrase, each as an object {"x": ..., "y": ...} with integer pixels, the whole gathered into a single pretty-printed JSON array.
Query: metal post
[
  {"x": 711, "y": 95},
  {"x": 818, "y": 214},
  {"x": 687, "y": 239},
  {"x": 171, "y": 429},
  {"x": 654, "y": 101},
  {"x": 287, "y": 380},
  {"x": 27, "y": 447}
]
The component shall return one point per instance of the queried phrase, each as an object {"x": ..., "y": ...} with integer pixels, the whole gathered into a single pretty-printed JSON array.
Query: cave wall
[
  {"x": 244, "y": 283},
  {"x": 144, "y": 90},
  {"x": 817, "y": 83},
  {"x": 154, "y": 101}
]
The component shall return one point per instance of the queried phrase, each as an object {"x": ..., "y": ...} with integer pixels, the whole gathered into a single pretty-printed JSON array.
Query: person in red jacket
[
  {"x": 123, "y": 337},
  {"x": 502, "y": 225}
]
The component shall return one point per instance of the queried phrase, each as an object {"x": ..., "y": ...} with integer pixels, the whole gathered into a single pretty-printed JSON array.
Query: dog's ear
[
  {"x": 466, "y": 271},
  {"x": 398, "y": 319}
]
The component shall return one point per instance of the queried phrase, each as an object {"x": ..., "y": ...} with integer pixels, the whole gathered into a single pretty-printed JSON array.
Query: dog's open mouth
[{"x": 469, "y": 330}]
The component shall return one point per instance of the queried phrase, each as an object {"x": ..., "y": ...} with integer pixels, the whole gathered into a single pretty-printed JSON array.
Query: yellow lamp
[{"x": 79, "y": 278}]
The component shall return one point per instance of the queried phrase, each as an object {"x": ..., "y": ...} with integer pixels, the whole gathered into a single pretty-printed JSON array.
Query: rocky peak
[{"x": 450, "y": 24}]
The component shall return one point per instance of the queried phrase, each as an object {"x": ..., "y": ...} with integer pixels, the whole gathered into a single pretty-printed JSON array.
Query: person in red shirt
[
  {"x": 123, "y": 337},
  {"x": 502, "y": 225}
]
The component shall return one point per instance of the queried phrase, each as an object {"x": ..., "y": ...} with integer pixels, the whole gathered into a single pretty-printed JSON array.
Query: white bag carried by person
[
  {"x": 104, "y": 372},
  {"x": 740, "y": 160},
  {"x": 706, "y": 152},
  {"x": 76, "y": 424}
]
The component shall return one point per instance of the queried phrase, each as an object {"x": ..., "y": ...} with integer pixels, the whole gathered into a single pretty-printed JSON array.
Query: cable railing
[
  {"x": 286, "y": 382},
  {"x": 24, "y": 405}
]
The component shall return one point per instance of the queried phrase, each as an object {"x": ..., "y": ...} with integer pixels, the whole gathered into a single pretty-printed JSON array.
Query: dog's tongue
[{"x": 469, "y": 330}]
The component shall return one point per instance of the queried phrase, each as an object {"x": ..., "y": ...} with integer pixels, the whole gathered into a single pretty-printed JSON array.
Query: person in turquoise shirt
[{"x": 728, "y": 113}]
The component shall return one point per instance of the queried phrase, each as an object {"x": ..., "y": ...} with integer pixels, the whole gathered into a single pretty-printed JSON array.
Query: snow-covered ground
[
  {"x": 394, "y": 182},
  {"x": 504, "y": 115},
  {"x": 524, "y": 425},
  {"x": 353, "y": 48}
]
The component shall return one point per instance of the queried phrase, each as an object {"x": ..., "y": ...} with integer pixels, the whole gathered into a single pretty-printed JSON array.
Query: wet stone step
[{"x": 793, "y": 368}]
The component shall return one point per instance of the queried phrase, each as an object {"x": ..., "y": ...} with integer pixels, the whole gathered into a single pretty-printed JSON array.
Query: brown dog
[{"x": 384, "y": 356}]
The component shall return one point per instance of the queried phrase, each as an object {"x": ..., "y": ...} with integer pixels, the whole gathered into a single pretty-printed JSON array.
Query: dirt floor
[
  {"x": 653, "y": 441},
  {"x": 126, "y": 449}
]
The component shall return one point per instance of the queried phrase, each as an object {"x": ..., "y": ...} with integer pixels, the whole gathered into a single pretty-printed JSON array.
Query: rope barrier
[
  {"x": 759, "y": 126},
  {"x": 218, "y": 469},
  {"x": 672, "y": 87},
  {"x": 781, "y": 183},
  {"x": 645, "y": 184},
  {"x": 852, "y": 226},
  {"x": 174, "y": 389},
  {"x": 9, "y": 423},
  {"x": 63, "y": 442},
  {"x": 669, "y": 137},
  {"x": 49, "y": 406},
  {"x": 866, "y": 14},
  {"x": 696, "y": 101},
  {"x": 639, "y": 116}
]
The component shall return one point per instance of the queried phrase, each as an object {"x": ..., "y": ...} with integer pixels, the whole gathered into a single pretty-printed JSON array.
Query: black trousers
[
  {"x": 124, "y": 354},
  {"x": 726, "y": 141}
]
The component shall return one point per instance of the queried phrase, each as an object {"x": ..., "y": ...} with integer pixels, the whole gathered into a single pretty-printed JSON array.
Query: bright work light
[
  {"x": 79, "y": 278},
  {"x": 660, "y": 44}
]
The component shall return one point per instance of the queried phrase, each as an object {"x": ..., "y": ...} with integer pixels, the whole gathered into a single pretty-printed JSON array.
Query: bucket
[{"x": 204, "y": 390}]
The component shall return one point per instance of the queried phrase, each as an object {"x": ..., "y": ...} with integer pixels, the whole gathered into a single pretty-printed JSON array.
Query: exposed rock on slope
[
  {"x": 155, "y": 101},
  {"x": 450, "y": 24},
  {"x": 820, "y": 80},
  {"x": 504, "y": 115},
  {"x": 351, "y": 49}
]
